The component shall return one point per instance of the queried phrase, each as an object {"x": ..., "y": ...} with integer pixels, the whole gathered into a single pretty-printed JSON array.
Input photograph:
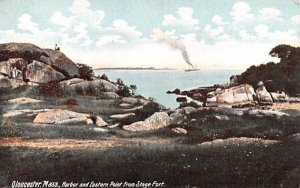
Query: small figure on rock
[
  {"x": 13, "y": 72},
  {"x": 56, "y": 47}
]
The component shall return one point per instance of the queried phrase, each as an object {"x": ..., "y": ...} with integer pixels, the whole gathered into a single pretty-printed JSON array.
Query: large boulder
[
  {"x": 156, "y": 121},
  {"x": 279, "y": 97},
  {"x": 100, "y": 122},
  {"x": 234, "y": 95},
  {"x": 63, "y": 117},
  {"x": 6, "y": 67},
  {"x": 71, "y": 81},
  {"x": 95, "y": 85},
  {"x": 23, "y": 100},
  {"x": 25, "y": 51},
  {"x": 264, "y": 97},
  {"x": 42, "y": 73},
  {"x": 177, "y": 117},
  {"x": 109, "y": 95},
  {"x": 5, "y": 83},
  {"x": 61, "y": 62},
  {"x": 30, "y": 52}
]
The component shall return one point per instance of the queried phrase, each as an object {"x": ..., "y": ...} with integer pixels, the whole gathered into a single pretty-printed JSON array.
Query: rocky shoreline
[
  {"x": 49, "y": 73},
  {"x": 56, "y": 112}
]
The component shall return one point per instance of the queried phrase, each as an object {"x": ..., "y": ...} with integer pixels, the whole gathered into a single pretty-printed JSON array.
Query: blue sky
[{"x": 216, "y": 34}]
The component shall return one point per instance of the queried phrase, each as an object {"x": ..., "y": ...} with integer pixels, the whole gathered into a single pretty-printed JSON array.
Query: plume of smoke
[{"x": 173, "y": 42}]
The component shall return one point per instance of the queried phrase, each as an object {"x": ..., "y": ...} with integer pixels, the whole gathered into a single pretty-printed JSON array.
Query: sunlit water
[{"x": 155, "y": 83}]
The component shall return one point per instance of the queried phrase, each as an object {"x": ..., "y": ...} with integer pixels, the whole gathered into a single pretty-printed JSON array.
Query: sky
[{"x": 216, "y": 34}]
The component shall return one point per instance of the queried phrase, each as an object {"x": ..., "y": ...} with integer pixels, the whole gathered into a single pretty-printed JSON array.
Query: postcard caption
[{"x": 141, "y": 184}]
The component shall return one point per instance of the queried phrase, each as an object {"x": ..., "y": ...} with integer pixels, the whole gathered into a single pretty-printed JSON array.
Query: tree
[
  {"x": 284, "y": 52},
  {"x": 282, "y": 76},
  {"x": 133, "y": 88},
  {"x": 86, "y": 72}
]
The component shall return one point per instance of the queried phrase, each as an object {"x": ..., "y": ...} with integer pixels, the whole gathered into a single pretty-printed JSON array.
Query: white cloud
[
  {"x": 213, "y": 32},
  {"x": 270, "y": 14},
  {"x": 245, "y": 35},
  {"x": 102, "y": 41},
  {"x": 25, "y": 23},
  {"x": 81, "y": 8},
  {"x": 263, "y": 34},
  {"x": 226, "y": 37},
  {"x": 60, "y": 19},
  {"x": 83, "y": 20},
  {"x": 218, "y": 20},
  {"x": 44, "y": 39},
  {"x": 121, "y": 26},
  {"x": 184, "y": 18},
  {"x": 189, "y": 38},
  {"x": 261, "y": 30},
  {"x": 241, "y": 12},
  {"x": 296, "y": 19}
]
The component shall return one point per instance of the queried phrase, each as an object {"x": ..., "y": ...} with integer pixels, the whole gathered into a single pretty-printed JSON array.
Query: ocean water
[{"x": 155, "y": 83}]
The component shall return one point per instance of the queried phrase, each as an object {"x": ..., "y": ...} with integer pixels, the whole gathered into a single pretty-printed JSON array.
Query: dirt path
[{"x": 78, "y": 144}]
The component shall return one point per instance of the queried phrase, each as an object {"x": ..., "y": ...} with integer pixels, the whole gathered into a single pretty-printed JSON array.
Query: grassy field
[
  {"x": 241, "y": 151},
  {"x": 256, "y": 165}
]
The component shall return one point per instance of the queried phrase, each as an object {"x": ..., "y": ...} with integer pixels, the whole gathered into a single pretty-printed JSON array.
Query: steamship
[{"x": 192, "y": 69}]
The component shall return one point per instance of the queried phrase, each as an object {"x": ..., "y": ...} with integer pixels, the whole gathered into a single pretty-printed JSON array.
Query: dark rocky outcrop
[
  {"x": 181, "y": 99},
  {"x": 41, "y": 73},
  {"x": 29, "y": 52},
  {"x": 175, "y": 91},
  {"x": 6, "y": 67}
]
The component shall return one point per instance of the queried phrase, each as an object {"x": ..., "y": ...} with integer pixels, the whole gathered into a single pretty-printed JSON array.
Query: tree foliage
[
  {"x": 86, "y": 72},
  {"x": 282, "y": 76}
]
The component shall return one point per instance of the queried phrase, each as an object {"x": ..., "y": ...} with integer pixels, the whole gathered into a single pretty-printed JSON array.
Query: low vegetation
[{"x": 86, "y": 72}]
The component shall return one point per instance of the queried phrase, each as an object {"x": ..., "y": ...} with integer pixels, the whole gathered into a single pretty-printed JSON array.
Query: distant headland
[{"x": 132, "y": 68}]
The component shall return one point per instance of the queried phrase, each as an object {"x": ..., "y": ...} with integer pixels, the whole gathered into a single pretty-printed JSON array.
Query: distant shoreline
[{"x": 132, "y": 68}]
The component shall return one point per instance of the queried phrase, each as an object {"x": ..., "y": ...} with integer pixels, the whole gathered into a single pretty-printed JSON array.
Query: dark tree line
[{"x": 282, "y": 76}]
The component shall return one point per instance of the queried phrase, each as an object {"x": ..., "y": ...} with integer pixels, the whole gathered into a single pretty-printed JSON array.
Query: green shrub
[
  {"x": 86, "y": 72},
  {"x": 124, "y": 90}
]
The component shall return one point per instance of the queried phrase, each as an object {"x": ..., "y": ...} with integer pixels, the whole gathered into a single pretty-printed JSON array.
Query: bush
[
  {"x": 104, "y": 77},
  {"x": 86, "y": 72},
  {"x": 141, "y": 114},
  {"x": 120, "y": 82},
  {"x": 90, "y": 90},
  {"x": 124, "y": 90},
  {"x": 51, "y": 89},
  {"x": 148, "y": 110},
  {"x": 71, "y": 102},
  {"x": 79, "y": 90}
]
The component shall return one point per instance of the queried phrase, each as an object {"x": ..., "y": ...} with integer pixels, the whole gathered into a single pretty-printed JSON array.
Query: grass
[
  {"x": 206, "y": 127},
  {"x": 176, "y": 165},
  {"x": 179, "y": 162}
]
